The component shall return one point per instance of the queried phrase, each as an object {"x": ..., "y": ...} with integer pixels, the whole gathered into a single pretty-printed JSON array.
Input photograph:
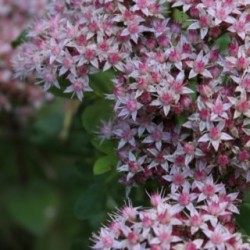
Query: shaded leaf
[
  {"x": 193, "y": 86},
  {"x": 93, "y": 114},
  {"x": 181, "y": 119},
  {"x": 64, "y": 83},
  {"x": 223, "y": 42},
  {"x": 102, "y": 82},
  {"x": 243, "y": 218},
  {"x": 92, "y": 202},
  {"x": 181, "y": 18},
  {"x": 21, "y": 39},
  {"x": 107, "y": 146},
  {"x": 32, "y": 207},
  {"x": 105, "y": 164}
]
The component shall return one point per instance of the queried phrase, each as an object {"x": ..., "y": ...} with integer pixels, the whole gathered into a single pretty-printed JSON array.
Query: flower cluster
[
  {"x": 82, "y": 37},
  {"x": 15, "y": 95},
  {"x": 166, "y": 71},
  {"x": 179, "y": 74},
  {"x": 189, "y": 220},
  {"x": 181, "y": 102}
]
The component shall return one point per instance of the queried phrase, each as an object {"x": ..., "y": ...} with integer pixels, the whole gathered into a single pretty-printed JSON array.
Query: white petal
[
  {"x": 194, "y": 26},
  {"x": 192, "y": 74},
  {"x": 226, "y": 137},
  {"x": 204, "y": 138},
  {"x": 215, "y": 144}
]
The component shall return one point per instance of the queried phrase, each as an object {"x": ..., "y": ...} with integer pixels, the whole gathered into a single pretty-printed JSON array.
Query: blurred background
[{"x": 49, "y": 197}]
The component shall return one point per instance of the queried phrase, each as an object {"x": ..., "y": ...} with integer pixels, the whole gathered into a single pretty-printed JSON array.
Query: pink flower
[
  {"x": 204, "y": 23},
  {"x": 219, "y": 109},
  {"x": 221, "y": 13},
  {"x": 215, "y": 135},
  {"x": 105, "y": 240},
  {"x": 199, "y": 66},
  {"x": 132, "y": 166},
  {"x": 177, "y": 177},
  {"x": 163, "y": 237},
  {"x": 126, "y": 134},
  {"x": 240, "y": 26},
  {"x": 217, "y": 238},
  {"x": 240, "y": 61},
  {"x": 185, "y": 198},
  {"x": 128, "y": 106},
  {"x": 157, "y": 136},
  {"x": 78, "y": 86},
  {"x": 208, "y": 188},
  {"x": 241, "y": 105}
]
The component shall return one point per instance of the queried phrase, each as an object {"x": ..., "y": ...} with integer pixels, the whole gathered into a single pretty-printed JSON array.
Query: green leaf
[
  {"x": 92, "y": 202},
  {"x": 243, "y": 218},
  {"x": 102, "y": 82},
  {"x": 33, "y": 207},
  {"x": 45, "y": 129},
  {"x": 79, "y": 245},
  {"x": 223, "y": 42},
  {"x": 52, "y": 241},
  {"x": 105, "y": 164},
  {"x": 181, "y": 119},
  {"x": 246, "y": 198},
  {"x": 93, "y": 114},
  {"x": 181, "y": 18},
  {"x": 193, "y": 86},
  {"x": 64, "y": 83},
  {"x": 107, "y": 146},
  {"x": 21, "y": 39}
]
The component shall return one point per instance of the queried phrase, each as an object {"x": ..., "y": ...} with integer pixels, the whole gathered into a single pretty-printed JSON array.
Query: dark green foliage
[{"x": 50, "y": 198}]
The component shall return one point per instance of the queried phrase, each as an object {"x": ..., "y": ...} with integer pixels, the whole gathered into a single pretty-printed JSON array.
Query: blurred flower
[{"x": 16, "y": 96}]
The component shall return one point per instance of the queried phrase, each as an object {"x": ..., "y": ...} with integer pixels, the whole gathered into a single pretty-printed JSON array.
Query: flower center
[
  {"x": 184, "y": 199},
  {"x": 217, "y": 239},
  {"x": 214, "y": 133},
  {"x": 199, "y": 66}
]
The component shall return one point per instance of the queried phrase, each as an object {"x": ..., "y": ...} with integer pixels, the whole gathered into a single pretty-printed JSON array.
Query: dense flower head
[
  {"x": 166, "y": 69},
  {"x": 175, "y": 222},
  {"x": 17, "y": 96},
  {"x": 181, "y": 92}
]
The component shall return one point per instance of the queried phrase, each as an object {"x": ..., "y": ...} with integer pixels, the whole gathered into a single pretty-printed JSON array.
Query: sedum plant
[{"x": 179, "y": 73}]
